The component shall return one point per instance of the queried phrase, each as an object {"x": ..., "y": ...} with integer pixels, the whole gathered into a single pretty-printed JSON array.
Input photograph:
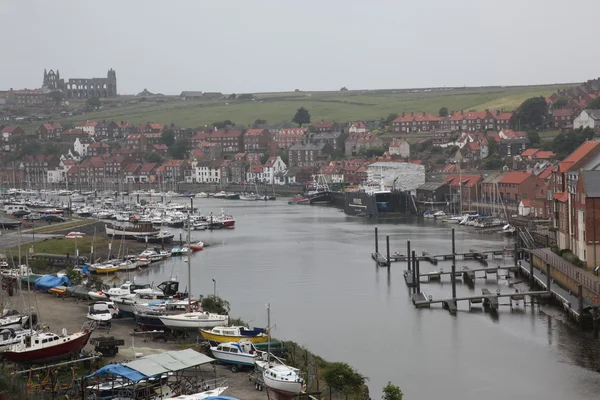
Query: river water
[{"x": 312, "y": 265}]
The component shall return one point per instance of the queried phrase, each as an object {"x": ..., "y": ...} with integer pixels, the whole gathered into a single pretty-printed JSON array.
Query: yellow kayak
[{"x": 223, "y": 334}]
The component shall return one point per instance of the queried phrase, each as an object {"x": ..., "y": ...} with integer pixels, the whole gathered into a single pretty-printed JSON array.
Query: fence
[{"x": 590, "y": 282}]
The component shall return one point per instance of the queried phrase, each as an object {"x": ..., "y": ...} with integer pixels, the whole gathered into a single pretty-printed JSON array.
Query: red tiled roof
[
  {"x": 74, "y": 132},
  {"x": 225, "y": 134},
  {"x": 88, "y": 123},
  {"x": 455, "y": 180},
  {"x": 323, "y": 124},
  {"x": 256, "y": 169},
  {"x": 450, "y": 168},
  {"x": 9, "y": 129},
  {"x": 563, "y": 112},
  {"x": 197, "y": 153},
  {"x": 545, "y": 174},
  {"x": 161, "y": 146},
  {"x": 132, "y": 168},
  {"x": 147, "y": 167},
  {"x": 255, "y": 132},
  {"x": 494, "y": 136},
  {"x": 544, "y": 155},
  {"x": 563, "y": 197},
  {"x": 515, "y": 177},
  {"x": 529, "y": 152},
  {"x": 270, "y": 161},
  {"x": 526, "y": 202},
  {"x": 173, "y": 163},
  {"x": 587, "y": 147},
  {"x": 359, "y": 125},
  {"x": 509, "y": 133},
  {"x": 134, "y": 136},
  {"x": 474, "y": 146},
  {"x": 417, "y": 117}
]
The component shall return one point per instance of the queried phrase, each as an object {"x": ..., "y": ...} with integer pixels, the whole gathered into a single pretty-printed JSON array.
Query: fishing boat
[
  {"x": 192, "y": 321},
  {"x": 161, "y": 237},
  {"x": 247, "y": 197},
  {"x": 42, "y": 347},
  {"x": 241, "y": 353},
  {"x": 128, "y": 265},
  {"x": 226, "y": 220},
  {"x": 130, "y": 232},
  {"x": 221, "y": 334},
  {"x": 283, "y": 379},
  {"x": 197, "y": 246}
]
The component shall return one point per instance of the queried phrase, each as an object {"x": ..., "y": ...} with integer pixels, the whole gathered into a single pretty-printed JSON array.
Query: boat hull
[
  {"x": 190, "y": 322},
  {"x": 287, "y": 388},
  {"x": 211, "y": 337},
  {"x": 233, "y": 358},
  {"x": 130, "y": 233},
  {"x": 52, "y": 353},
  {"x": 149, "y": 322}
]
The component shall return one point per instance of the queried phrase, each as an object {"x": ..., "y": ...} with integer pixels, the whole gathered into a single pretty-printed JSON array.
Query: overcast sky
[{"x": 279, "y": 45}]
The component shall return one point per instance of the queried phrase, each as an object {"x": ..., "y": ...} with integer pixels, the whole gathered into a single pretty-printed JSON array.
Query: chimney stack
[{"x": 412, "y": 114}]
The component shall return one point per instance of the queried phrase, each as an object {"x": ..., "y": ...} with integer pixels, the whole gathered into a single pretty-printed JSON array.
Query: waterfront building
[{"x": 397, "y": 175}]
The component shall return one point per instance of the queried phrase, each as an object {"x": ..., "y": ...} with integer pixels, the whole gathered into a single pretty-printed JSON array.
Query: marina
[{"x": 308, "y": 237}]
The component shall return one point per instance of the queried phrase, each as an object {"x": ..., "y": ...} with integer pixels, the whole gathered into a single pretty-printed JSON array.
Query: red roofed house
[
  {"x": 256, "y": 143},
  {"x": 88, "y": 127},
  {"x": 150, "y": 127},
  {"x": 69, "y": 135},
  {"x": 161, "y": 149},
  {"x": 564, "y": 184},
  {"x": 471, "y": 151},
  {"x": 199, "y": 138},
  {"x": 563, "y": 117},
  {"x": 148, "y": 172},
  {"x": 9, "y": 133},
  {"x": 327, "y": 126},
  {"x": 516, "y": 186},
  {"x": 175, "y": 171},
  {"x": 131, "y": 172},
  {"x": 136, "y": 142},
  {"x": 49, "y": 130},
  {"x": 98, "y": 148},
  {"x": 287, "y": 137},
  {"x": 255, "y": 174},
  {"x": 416, "y": 122},
  {"x": 231, "y": 141},
  {"x": 358, "y": 127}
]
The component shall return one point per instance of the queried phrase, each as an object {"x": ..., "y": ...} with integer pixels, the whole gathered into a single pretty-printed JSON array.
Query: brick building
[{"x": 49, "y": 131}]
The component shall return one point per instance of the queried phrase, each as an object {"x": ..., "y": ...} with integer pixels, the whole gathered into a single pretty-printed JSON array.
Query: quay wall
[{"x": 566, "y": 274}]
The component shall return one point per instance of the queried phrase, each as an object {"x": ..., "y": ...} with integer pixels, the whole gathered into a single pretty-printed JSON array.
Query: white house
[
  {"x": 286, "y": 177},
  {"x": 273, "y": 166},
  {"x": 256, "y": 173},
  {"x": 524, "y": 208},
  {"x": 59, "y": 174},
  {"x": 357, "y": 127},
  {"x": 88, "y": 127},
  {"x": 206, "y": 172},
  {"x": 400, "y": 147},
  {"x": 588, "y": 119},
  {"x": 81, "y": 146}
]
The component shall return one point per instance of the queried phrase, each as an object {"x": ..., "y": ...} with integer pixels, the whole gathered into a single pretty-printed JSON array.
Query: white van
[{"x": 12, "y": 208}]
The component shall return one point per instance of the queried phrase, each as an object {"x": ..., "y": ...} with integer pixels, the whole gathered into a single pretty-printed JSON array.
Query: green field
[{"x": 335, "y": 106}]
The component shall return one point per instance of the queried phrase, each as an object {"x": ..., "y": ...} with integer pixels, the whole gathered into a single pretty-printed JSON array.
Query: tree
[
  {"x": 232, "y": 96},
  {"x": 302, "y": 117},
  {"x": 343, "y": 378},
  {"x": 74, "y": 276},
  {"x": 153, "y": 157},
  {"x": 493, "y": 147},
  {"x": 258, "y": 122},
  {"x": 443, "y": 113},
  {"x": 223, "y": 124},
  {"x": 372, "y": 151},
  {"x": 594, "y": 104},
  {"x": 344, "y": 89},
  {"x": 560, "y": 103},
  {"x": 532, "y": 113},
  {"x": 534, "y": 139},
  {"x": 179, "y": 149},
  {"x": 246, "y": 96},
  {"x": 264, "y": 158},
  {"x": 390, "y": 118},
  {"x": 57, "y": 97},
  {"x": 566, "y": 143},
  {"x": 391, "y": 392},
  {"x": 167, "y": 137},
  {"x": 492, "y": 163},
  {"x": 215, "y": 305},
  {"x": 93, "y": 102}
]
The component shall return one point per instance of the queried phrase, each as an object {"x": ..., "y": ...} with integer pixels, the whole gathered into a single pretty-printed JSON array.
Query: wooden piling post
[
  {"x": 580, "y": 305},
  {"x": 417, "y": 273},
  {"x": 387, "y": 250},
  {"x": 408, "y": 253},
  {"x": 531, "y": 276},
  {"x": 595, "y": 321},
  {"x": 548, "y": 278},
  {"x": 376, "y": 241},
  {"x": 516, "y": 255},
  {"x": 453, "y": 276}
]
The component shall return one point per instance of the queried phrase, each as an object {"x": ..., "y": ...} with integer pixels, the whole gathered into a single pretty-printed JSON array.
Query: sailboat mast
[
  {"x": 269, "y": 332},
  {"x": 189, "y": 263}
]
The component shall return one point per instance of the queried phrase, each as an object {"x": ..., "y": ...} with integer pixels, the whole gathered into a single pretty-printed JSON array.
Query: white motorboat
[
  {"x": 101, "y": 311},
  {"x": 143, "y": 261},
  {"x": 10, "y": 337},
  {"x": 193, "y": 321},
  {"x": 128, "y": 265},
  {"x": 283, "y": 379},
  {"x": 455, "y": 219},
  {"x": 202, "y": 395},
  {"x": 248, "y": 197},
  {"x": 13, "y": 322},
  {"x": 202, "y": 195},
  {"x": 242, "y": 353}
]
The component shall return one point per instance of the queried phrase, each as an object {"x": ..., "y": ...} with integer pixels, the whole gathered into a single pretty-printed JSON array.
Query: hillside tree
[
  {"x": 534, "y": 139},
  {"x": 561, "y": 102},
  {"x": 343, "y": 378},
  {"x": 167, "y": 137},
  {"x": 532, "y": 113},
  {"x": 493, "y": 147},
  {"x": 93, "y": 102},
  {"x": 302, "y": 117},
  {"x": 594, "y": 104},
  {"x": 390, "y": 118},
  {"x": 391, "y": 392},
  {"x": 443, "y": 112},
  {"x": 259, "y": 121},
  {"x": 179, "y": 149}
]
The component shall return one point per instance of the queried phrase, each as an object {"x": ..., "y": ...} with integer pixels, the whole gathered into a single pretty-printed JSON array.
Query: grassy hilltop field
[{"x": 334, "y": 106}]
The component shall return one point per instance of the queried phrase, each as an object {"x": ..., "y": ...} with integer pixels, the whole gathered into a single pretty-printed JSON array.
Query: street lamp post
[{"x": 214, "y": 288}]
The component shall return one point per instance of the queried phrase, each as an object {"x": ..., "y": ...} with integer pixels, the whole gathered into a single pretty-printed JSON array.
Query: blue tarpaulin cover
[
  {"x": 120, "y": 370},
  {"x": 47, "y": 282}
]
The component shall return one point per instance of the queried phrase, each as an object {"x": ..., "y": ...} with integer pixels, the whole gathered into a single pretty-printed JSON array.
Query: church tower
[{"x": 111, "y": 87}]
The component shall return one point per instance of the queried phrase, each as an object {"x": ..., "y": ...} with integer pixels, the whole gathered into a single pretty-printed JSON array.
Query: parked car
[
  {"x": 20, "y": 213},
  {"x": 33, "y": 217},
  {"x": 54, "y": 218}
]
